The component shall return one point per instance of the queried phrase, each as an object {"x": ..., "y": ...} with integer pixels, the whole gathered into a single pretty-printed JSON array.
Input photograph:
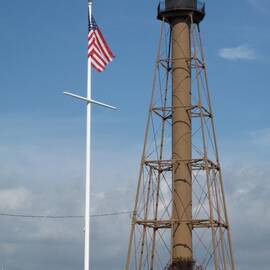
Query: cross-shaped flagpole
[{"x": 89, "y": 101}]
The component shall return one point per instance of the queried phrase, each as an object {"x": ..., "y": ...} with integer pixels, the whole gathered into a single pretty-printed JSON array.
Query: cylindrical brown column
[{"x": 181, "y": 143}]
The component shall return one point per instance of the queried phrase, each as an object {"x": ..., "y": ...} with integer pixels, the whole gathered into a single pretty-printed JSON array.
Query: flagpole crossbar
[{"x": 89, "y": 100}]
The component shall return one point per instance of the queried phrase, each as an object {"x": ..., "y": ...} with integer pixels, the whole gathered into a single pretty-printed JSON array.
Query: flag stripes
[{"x": 99, "y": 53}]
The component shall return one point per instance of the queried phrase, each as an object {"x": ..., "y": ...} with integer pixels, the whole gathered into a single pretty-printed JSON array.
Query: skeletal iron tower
[{"x": 180, "y": 219}]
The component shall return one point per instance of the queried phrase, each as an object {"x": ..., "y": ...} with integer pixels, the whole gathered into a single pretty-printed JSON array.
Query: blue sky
[{"x": 43, "y": 53}]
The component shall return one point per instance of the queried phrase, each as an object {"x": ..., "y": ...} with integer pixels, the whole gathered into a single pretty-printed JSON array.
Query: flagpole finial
[{"x": 90, "y": 7}]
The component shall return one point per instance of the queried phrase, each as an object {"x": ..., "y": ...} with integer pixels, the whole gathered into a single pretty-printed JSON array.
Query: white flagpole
[
  {"x": 89, "y": 102},
  {"x": 88, "y": 159}
]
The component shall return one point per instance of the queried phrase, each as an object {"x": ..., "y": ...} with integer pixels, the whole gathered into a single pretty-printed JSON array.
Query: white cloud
[
  {"x": 14, "y": 199},
  {"x": 242, "y": 52},
  {"x": 261, "y": 5},
  {"x": 261, "y": 137},
  {"x": 248, "y": 200}
]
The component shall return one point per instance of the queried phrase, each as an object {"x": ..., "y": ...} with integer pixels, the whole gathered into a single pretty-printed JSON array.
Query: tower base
[{"x": 184, "y": 264}]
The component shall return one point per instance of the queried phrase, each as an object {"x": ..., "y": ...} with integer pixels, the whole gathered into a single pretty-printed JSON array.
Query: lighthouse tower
[{"x": 180, "y": 220}]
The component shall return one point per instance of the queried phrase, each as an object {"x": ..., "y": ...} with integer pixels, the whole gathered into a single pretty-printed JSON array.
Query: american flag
[{"x": 99, "y": 53}]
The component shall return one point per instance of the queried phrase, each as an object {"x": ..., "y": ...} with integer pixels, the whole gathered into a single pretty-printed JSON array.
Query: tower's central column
[
  {"x": 180, "y": 14},
  {"x": 181, "y": 142}
]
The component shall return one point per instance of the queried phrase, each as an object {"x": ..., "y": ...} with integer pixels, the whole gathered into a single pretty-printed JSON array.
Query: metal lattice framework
[{"x": 151, "y": 229}]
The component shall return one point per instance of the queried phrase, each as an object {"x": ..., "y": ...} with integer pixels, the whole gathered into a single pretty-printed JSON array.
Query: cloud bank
[{"x": 50, "y": 182}]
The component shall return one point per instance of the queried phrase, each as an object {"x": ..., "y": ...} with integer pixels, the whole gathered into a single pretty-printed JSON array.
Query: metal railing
[{"x": 184, "y": 4}]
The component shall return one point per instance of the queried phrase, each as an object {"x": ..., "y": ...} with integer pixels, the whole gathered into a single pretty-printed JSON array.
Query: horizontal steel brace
[
  {"x": 166, "y": 224},
  {"x": 192, "y": 61},
  {"x": 196, "y": 111},
  {"x": 196, "y": 164}
]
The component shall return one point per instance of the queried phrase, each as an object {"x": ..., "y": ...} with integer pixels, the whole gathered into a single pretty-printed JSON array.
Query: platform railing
[{"x": 193, "y": 4}]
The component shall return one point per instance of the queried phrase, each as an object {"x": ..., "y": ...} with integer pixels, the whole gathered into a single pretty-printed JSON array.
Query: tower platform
[{"x": 172, "y": 9}]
